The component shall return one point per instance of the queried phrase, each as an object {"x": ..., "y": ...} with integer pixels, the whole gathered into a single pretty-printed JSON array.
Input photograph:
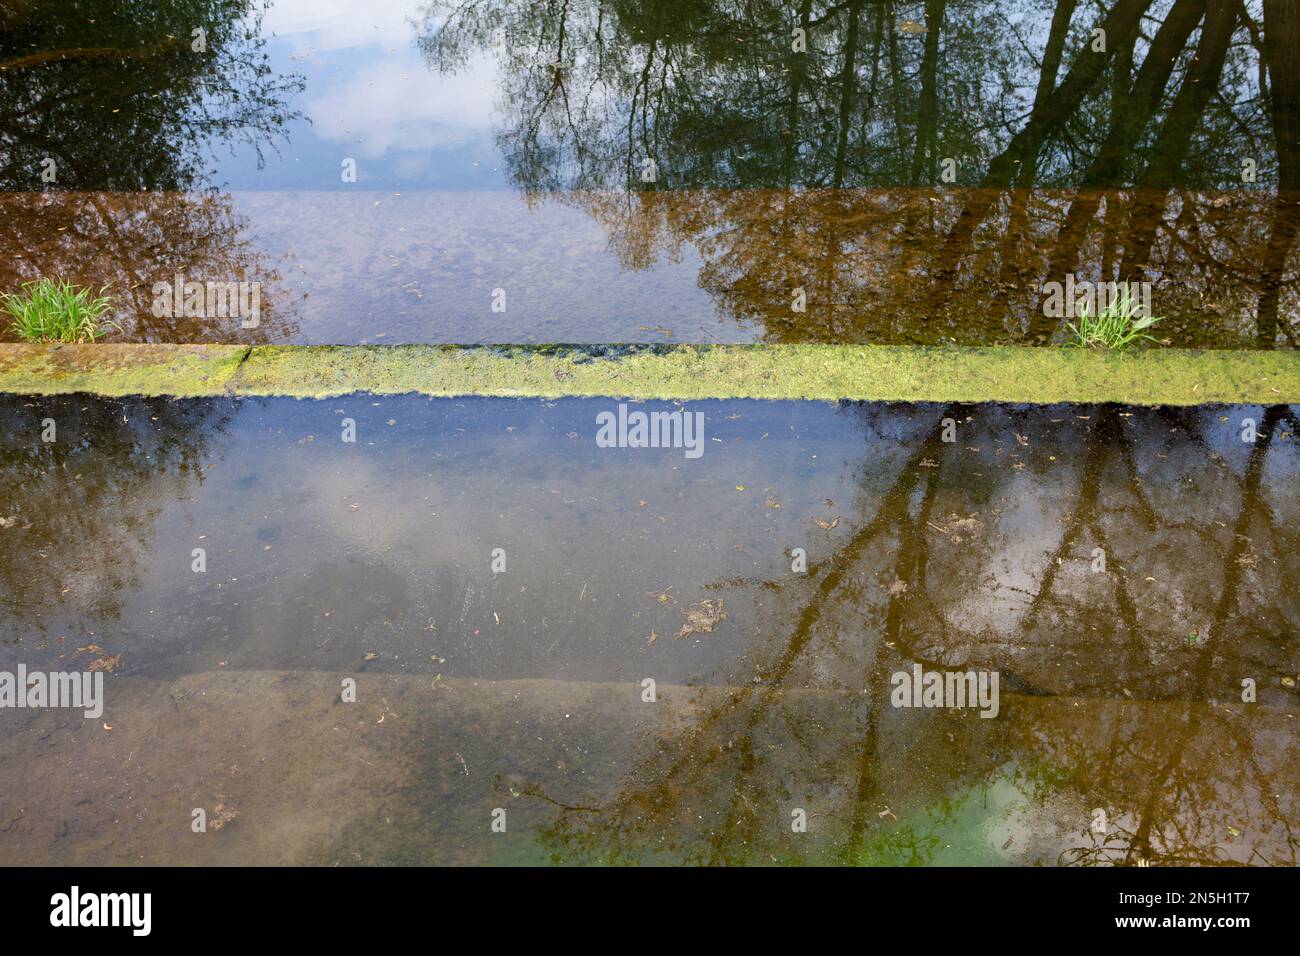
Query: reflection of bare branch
[
  {"x": 1155, "y": 763},
  {"x": 890, "y": 264}
]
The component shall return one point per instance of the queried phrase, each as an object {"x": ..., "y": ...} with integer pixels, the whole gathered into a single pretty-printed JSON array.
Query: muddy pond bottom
[{"x": 409, "y": 630}]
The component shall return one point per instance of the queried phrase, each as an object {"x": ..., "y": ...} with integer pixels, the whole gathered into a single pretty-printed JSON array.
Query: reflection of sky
[{"x": 370, "y": 97}]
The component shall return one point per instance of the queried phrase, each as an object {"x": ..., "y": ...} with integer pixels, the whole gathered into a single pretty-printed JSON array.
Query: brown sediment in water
[
  {"x": 586, "y": 771},
  {"x": 875, "y": 265}
]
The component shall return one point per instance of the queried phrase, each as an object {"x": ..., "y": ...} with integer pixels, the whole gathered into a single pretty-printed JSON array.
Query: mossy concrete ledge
[
  {"x": 185, "y": 371},
  {"x": 822, "y": 372}
]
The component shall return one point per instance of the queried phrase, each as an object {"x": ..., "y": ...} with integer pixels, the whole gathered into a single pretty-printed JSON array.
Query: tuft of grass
[
  {"x": 51, "y": 310},
  {"x": 1117, "y": 327}
]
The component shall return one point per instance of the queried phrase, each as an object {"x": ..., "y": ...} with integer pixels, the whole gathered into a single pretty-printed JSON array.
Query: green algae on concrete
[
  {"x": 819, "y": 372},
  {"x": 823, "y": 372},
  {"x": 186, "y": 371}
]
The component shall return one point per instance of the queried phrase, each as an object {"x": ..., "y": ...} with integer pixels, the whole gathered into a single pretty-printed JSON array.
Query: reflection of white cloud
[
  {"x": 367, "y": 83},
  {"x": 388, "y": 106},
  {"x": 323, "y": 25}
]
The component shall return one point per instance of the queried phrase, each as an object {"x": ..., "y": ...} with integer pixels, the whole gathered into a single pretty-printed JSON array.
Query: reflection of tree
[
  {"x": 131, "y": 240},
  {"x": 862, "y": 256},
  {"x": 1174, "y": 776},
  {"x": 1107, "y": 702},
  {"x": 1282, "y": 54},
  {"x": 1135, "y": 216},
  {"x": 80, "y": 511},
  {"x": 114, "y": 93},
  {"x": 1108, "y": 162},
  {"x": 716, "y": 96}
]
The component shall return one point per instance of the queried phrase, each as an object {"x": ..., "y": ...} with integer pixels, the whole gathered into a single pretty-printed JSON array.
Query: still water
[
  {"x": 499, "y": 587},
  {"x": 664, "y": 171}
]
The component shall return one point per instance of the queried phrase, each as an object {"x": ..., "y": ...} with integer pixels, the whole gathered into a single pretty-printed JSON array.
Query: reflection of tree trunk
[
  {"x": 799, "y": 60},
  {"x": 1013, "y": 268},
  {"x": 1282, "y": 49},
  {"x": 877, "y": 35},
  {"x": 1120, "y": 24},
  {"x": 1106, "y": 435},
  {"x": 641, "y": 97},
  {"x": 1286, "y": 226},
  {"x": 1132, "y": 109},
  {"x": 848, "y": 89},
  {"x": 913, "y": 556},
  {"x": 1282, "y": 43},
  {"x": 895, "y": 74},
  {"x": 927, "y": 122},
  {"x": 1199, "y": 84},
  {"x": 1233, "y": 570},
  {"x": 1052, "y": 55}
]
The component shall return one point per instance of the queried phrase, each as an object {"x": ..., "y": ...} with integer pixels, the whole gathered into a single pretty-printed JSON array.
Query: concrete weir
[{"x": 802, "y": 371}]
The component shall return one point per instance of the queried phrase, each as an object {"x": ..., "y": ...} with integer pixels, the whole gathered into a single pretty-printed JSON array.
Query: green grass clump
[
  {"x": 1117, "y": 327},
  {"x": 51, "y": 310}
]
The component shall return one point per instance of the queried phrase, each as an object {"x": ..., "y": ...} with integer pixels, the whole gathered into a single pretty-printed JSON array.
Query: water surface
[
  {"x": 850, "y": 172},
  {"x": 1121, "y": 689}
]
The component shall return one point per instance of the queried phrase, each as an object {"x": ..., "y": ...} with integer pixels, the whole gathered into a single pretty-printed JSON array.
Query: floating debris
[
  {"x": 702, "y": 618},
  {"x": 106, "y": 664},
  {"x": 662, "y": 597},
  {"x": 222, "y": 814},
  {"x": 967, "y": 526}
]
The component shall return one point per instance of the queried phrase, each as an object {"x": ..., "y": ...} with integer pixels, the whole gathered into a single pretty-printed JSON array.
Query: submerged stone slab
[
  {"x": 412, "y": 772},
  {"x": 818, "y": 372}
]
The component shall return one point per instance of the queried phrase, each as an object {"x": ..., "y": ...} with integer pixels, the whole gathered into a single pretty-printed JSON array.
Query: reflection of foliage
[
  {"x": 1127, "y": 142},
  {"x": 131, "y": 240},
  {"x": 116, "y": 97},
  {"x": 1161, "y": 773},
  {"x": 80, "y": 510},
  {"x": 716, "y": 95},
  {"x": 114, "y": 93}
]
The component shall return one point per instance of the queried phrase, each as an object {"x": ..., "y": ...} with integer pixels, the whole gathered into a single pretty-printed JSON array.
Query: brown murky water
[
  {"x": 1121, "y": 686},
  {"x": 595, "y": 268}
]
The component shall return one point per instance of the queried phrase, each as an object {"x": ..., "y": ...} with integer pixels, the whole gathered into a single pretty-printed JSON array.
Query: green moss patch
[
  {"x": 822, "y": 372},
  {"x": 115, "y": 370},
  {"x": 830, "y": 372}
]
